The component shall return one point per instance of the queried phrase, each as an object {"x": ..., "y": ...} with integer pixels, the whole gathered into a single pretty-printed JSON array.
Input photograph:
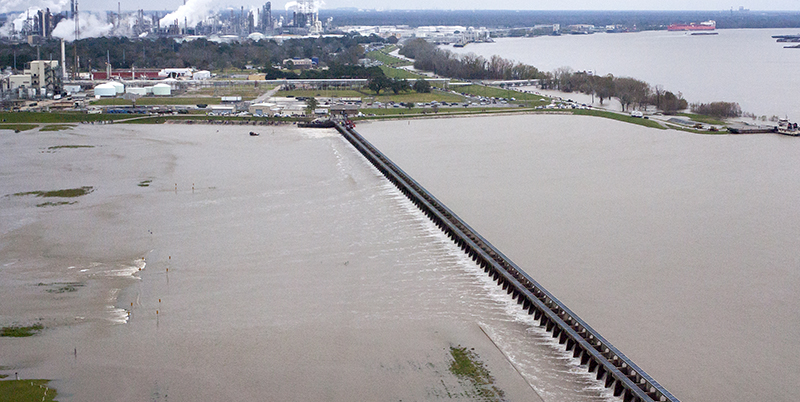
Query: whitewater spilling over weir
[{"x": 599, "y": 356}]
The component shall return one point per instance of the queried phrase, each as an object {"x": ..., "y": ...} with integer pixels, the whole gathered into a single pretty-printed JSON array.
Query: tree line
[
  {"x": 200, "y": 53},
  {"x": 429, "y": 57},
  {"x": 630, "y": 92}
]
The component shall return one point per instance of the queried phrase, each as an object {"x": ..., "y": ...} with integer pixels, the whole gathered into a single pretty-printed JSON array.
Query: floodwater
[
  {"x": 680, "y": 249},
  {"x": 208, "y": 265},
  {"x": 746, "y": 66}
]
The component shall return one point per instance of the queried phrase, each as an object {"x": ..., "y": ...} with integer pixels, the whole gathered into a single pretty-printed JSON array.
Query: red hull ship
[{"x": 703, "y": 26}]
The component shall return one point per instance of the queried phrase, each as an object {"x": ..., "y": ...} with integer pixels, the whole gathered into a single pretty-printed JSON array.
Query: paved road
[{"x": 263, "y": 98}]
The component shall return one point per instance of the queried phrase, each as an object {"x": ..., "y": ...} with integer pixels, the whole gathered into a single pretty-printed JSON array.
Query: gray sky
[
  {"x": 170, "y": 5},
  {"x": 793, "y": 5}
]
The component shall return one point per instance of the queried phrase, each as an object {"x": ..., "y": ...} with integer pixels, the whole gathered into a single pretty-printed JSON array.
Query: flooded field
[{"x": 198, "y": 263}]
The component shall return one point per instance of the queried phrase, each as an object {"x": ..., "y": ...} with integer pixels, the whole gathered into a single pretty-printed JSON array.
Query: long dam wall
[{"x": 611, "y": 366}]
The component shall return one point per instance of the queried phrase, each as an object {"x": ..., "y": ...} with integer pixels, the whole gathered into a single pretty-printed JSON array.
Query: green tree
[
  {"x": 378, "y": 83},
  {"x": 398, "y": 85},
  {"x": 311, "y": 105},
  {"x": 422, "y": 86}
]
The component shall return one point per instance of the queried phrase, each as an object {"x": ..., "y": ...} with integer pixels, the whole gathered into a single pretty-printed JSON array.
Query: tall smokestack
[
  {"x": 63, "y": 61},
  {"x": 119, "y": 14},
  {"x": 77, "y": 24}
]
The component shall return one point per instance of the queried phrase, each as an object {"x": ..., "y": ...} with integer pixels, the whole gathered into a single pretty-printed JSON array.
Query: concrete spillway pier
[{"x": 611, "y": 366}]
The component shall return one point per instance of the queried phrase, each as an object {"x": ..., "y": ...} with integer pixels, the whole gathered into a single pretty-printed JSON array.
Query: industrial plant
[{"x": 193, "y": 18}]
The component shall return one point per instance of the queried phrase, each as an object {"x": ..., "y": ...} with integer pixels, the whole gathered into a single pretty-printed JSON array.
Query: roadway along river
[{"x": 680, "y": 249}]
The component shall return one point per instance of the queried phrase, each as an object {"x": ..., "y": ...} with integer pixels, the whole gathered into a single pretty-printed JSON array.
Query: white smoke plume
[
  {"x": 91, "y": 27},
  {"x": 55, "y": 6},
  {"x": 308, "y": 6},
  {"x": 192, "y": 12},
  {"x": 15, "y": 23}
]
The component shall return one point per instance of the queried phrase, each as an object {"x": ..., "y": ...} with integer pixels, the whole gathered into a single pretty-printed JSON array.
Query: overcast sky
[{"x": 170, "y": 5}]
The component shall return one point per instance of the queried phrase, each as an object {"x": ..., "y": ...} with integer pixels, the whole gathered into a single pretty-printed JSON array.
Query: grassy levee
[
  {"x": 405, "y": 113},
  {"x": 387, "y": 59},
  {"x": 618, "y": 116},
  {"x": 703, "y": 118},
  {"x": 200, "y": 119},
  {"x": 384, "y": 96},
  {"x": 18, "y": 127},
  {"x": 54, "y": 117},
  {"x": 160, "y": 101},
  {"x": 392, "y": 72},
  {"x": 481, "y": 90},
  {"x": 26, "y": 391}
]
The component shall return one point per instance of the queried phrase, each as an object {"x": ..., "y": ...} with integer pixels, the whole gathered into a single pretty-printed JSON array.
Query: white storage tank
[
  {"x": 118, "y": 86},
  {"x": 162, "y": 90},
  {"x": 105, "y": 90}
]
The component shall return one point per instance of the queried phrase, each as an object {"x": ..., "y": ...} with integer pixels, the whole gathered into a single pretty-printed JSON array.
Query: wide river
[
  {"x": 680, "y": 249},
  {"x": 737, "y": 65},
  {"x": 207, "y": 265}
]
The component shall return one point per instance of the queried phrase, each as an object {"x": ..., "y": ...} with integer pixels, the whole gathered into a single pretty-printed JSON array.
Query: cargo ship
[{"x": 703, "y": 26}]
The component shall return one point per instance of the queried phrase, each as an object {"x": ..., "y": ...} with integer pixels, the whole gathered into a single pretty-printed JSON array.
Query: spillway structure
[{"x": 610, "y": 366}]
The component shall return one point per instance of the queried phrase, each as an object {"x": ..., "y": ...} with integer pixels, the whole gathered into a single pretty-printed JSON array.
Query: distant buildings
[{"x": 39, "y": 78}]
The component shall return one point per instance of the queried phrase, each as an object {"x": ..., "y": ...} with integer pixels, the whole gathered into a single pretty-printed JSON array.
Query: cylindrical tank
[
  {"x": 118, "y": 86},
  {"x": 105, "y": 90},
  {"x": 162, "y": 90}
]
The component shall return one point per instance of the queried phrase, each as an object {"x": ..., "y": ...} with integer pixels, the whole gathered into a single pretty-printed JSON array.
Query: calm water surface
[
  {"x": 738, "y": 65},
  {"x": 680, "y": 249}
]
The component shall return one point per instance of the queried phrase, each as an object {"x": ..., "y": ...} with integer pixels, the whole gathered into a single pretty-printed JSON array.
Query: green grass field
[
  {"x": 159, "y": 101},
  {"x": 369, "y": 96},
  {"x": 245, "y": 91},
  {"x": 400, "y": 73},
  {"x": 480, "y": 90},
  {"x": 54, "y": 117},
  {"x": 384, "y": 57},
  {"x": 621, "y": 117},
  {"x": 703, "y": 119},
  {"x": 26, "y": 391}
]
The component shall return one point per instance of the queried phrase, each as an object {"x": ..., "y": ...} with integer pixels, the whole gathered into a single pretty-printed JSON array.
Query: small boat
[
  {"x": 253, "y": 134},
  {"x": 786, "y": 127}
]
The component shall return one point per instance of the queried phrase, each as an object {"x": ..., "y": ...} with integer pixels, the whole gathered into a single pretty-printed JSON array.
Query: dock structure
[{"x": 611, "y": 366}]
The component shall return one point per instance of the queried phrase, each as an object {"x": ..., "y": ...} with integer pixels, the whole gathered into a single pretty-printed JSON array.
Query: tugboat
[
  {"x": 786, "y": 127},
  {"x": 253, "y": 134}
]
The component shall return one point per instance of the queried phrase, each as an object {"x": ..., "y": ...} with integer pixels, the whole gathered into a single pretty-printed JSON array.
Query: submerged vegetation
[
  {"x": 21, "y": 332},
  {"x": 61, "y": 287},
  {"x": 67, "y": 193},
  {"x": 69, "y": 146},
  {"x": 467, "y": 367},
  {"x": 57, "y": 127}
]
